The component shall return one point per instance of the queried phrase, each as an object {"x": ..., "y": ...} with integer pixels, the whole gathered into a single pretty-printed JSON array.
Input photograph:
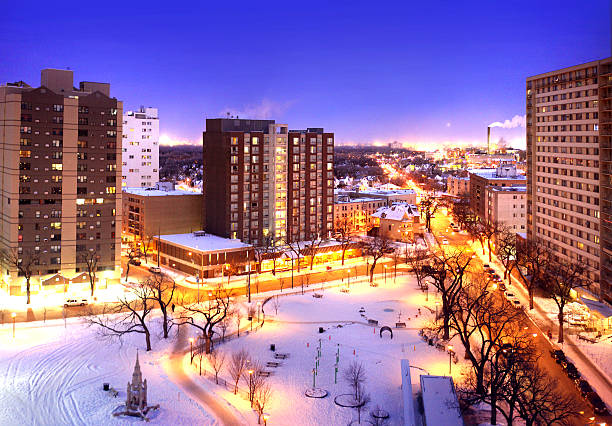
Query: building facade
[
  {"x": 61, "y": 176},
  {"x": 507, "y": 206},
  {"x": 263, "y": 181},
  {"x": 153, "y": 211},
  {"x": 458, "y": 186},
  {"x": 400, "y": 222},
  {"x": 505, "y": 175},
  {"x": 357, "y": 212},
  {"x": 140, "y": 148},
  {"x": 569, "y": 158}
]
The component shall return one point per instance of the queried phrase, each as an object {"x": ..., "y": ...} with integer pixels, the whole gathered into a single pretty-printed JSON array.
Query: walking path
[{"x": 176, "y": 373}]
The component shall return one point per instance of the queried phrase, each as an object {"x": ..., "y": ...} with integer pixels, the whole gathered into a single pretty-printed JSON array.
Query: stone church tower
[{"x": 137, "y": 390}]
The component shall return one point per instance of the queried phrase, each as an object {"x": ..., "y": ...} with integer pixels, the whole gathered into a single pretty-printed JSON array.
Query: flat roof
[
  {"x": 388, "y": 191},
  {"x": 491, "y": 174},
  {"x": 440, "y": 403},
  {"x": 152, "y": 192},
  {"x": 204, "y": 243},
  {"x": 509, "y": 188}
]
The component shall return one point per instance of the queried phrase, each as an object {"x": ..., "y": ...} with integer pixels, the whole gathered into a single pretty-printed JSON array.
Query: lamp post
[
  {"x": 13, "y": 315},
  {"x": 450, "y": 357},
  {"x": 385, "y": 275},
  {"x": 437, "y": 304},
  {"x": 251, "y": 387},
  {"x": 258, "y": 310},
  {"x": 191, "y": 349},
  {"x": 265, "y": 418}
]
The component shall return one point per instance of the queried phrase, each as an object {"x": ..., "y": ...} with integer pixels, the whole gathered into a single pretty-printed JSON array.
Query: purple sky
[{"x": 415, "y": 72}]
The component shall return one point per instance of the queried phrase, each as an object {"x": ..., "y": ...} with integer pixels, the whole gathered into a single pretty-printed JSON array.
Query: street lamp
[
  {"x": 265, "y": 418},
  {"x": 258, "y": 310},
  {"x": 13, "y": 315},
  {"x": 191, "y": 348},
  {"x": 251, "y": 386},
  {"x": 385, "y": 275},
  {"x": 437, "y": 304},
  {"x": 450, "y": 357}
]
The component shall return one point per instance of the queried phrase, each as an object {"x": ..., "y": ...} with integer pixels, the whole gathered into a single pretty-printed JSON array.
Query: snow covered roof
[
  {"x": 152, "y": 192},
  {"x": 440, "y": 403},
  {"x": 388, "y": 192},
  {"x": 491, "y": 174},
  {"x": 198, "y": 241},
  {"x": 399, "y": 211}
]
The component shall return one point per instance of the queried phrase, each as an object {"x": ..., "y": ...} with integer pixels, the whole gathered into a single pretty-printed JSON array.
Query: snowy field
[
  {"x": 295, "y": 330},
  {"x": 53, "y": 375}
]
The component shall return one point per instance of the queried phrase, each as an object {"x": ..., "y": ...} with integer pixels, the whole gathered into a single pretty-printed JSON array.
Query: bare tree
[
  {"x": 344, "y": 234},
  {"x": 506, "y": 250},
  {"x": 562, "y": 278},
  {"x": 133, "y": 252},
  {"x": 146, "y": 244},
  {"x": 205, "y": 315},
  {"x": 253, "y": 378},
  {"x": 238, "y": 318},
  {"x": 269, "y": 250},
  {"x": 128, "y": 315},
  {"x": 531, "y": 261},
  {"x": 355, "y": 376},
  {"x": 447, "y": 270},
  {"x": 216, "y": 359},
  {"x": 418, "y": 261},
  {"x": 428, "y": 206},
  {"x": 275, "y": 304},
  {"x": 162, "y": 289},
  {"x": 296, "y": 248},
  {"x": 237, "y": 366},
  {"x": 377, "y": 247},
  {"x": 24, "y": 262},
  {"x": 225, "y": 323},
  {"x": 263, "y": 396},
  {"x": 90, "y": 258},
  {"x": 490, "y": 230},
  {"x": 312, "y": 245}
]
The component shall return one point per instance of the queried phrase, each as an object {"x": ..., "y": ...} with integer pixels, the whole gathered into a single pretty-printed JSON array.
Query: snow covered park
[
  {"x": 295, "y": 331},
  {"x": 53, "y": 375}
]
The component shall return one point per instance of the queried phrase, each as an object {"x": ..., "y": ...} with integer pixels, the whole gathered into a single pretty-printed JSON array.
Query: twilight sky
[{"x": 419, "y": 72}]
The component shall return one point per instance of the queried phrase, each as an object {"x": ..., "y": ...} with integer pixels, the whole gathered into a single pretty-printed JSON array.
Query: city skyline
[{"x": 424, "y": 76}]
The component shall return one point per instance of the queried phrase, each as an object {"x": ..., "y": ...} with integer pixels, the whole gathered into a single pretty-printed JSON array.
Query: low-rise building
[
  {"x": 160, "y": 210},
  {"x": 399, "y": 222},
  {"x": 458, "y": 186},
  {"x": 204, "y": 255},
  {"x": 505, "y": 175},
  {"x": 356, "y": 211},
  {"x": 507, "y": 206},
  {"x": 390, "y": 196}
]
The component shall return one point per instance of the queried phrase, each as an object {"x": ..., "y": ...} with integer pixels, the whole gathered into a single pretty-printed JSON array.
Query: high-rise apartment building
[
  {"x": 263, "y": 181},
  {"x": 60, "y": 171},
  {"x": 569, "y": 165},
  {"x": 140, "y": 148}
]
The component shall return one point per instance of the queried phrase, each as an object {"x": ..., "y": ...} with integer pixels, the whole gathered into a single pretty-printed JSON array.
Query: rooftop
[
  {"x": 204, "y": 242},
  {"x": 509, "y": 188},
  {"x": 388, "y": 191},
  {"x": 440, "y": 404},
  {"x": 400, "y": 211},
  {"x": 153, "y": 192},
  {"x": 491, "y": 174}
]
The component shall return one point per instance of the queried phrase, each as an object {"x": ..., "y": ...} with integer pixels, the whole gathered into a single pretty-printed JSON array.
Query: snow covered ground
[
  {"x": 51, "y": 375},
  {"x": 296, "y": 331}
]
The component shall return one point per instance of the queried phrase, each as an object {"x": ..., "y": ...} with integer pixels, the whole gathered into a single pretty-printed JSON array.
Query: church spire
[{"x": 137, "y": 375}]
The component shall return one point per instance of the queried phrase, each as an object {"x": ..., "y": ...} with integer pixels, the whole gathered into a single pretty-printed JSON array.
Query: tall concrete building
[
  {"x": 263, "y": 181},
  {"x": 569, "y": 165},
  {"x": 61, "y": 177},
  {"x": 504, "y": 176},
  {"x": 140, "y": 148}
]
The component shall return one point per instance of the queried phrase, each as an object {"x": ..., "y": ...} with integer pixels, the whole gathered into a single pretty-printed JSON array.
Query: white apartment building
[
  {"x": 458, "y": 186},
  {"x": 508, "y": 206},
  {"x": 140, "y": 148}
]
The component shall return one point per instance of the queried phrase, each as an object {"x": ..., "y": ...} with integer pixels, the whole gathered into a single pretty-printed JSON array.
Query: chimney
[{"x": 488, "y": 140}]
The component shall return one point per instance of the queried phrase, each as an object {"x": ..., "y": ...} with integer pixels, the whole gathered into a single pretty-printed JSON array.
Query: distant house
[{"x": 399, "y": 222}]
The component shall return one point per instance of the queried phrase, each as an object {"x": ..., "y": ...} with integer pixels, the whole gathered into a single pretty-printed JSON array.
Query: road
[{"x": 440, "y": 228}]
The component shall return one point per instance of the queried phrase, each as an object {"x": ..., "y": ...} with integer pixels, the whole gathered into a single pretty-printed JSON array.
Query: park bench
[
  {"x": 281, "y": 356},
  {"x": 372, "y": 322},
  {"x": 272, "y": 364}
]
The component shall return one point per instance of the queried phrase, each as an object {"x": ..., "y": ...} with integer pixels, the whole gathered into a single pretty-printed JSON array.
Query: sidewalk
[{"x": 600, "y": 380}]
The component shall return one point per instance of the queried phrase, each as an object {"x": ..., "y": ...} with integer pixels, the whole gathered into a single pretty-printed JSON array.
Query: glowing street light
[
  {"x": 450, "y": 357},
  {"x": 265, "y": 418},
  {"x": 251, "y": 386}
]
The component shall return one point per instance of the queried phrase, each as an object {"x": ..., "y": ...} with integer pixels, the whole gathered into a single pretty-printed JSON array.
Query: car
[
  {"x": 75, "y": 302},
  {"x": 135, "y": 262},
  {"x": 583, "y": 386},
  {"x": 496, "y": 277},
  {"x": 572, "y": 371},
  {"x": 486, "y": 266},
  {"x": 516, "y": 303},
  {"x": 558, "y": 355},
  {"x": 509, "y": 295},
  {"x": 501, "y": 286},
  {"x": 445, "y": 242},
  {"x": 155, "y": 269},
  {"x": 598, "y": 405},
  {"x": 452, "y": 225}
]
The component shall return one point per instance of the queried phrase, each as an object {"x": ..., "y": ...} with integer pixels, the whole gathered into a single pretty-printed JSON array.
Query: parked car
[
  {"x": 155, "y": 269},
  {"x": 509, "y": 295},
  {"x": 572, "y": 371},
  {"x": 558, "y": 355},
  {"x": 501, "y": 286},
  {"x": 486, "y": 266},
  {"x": 75, "y": 302},
  {"x": 583, "y": 386},
  {"x": 135, "y": 262},
  {"x": 598, "y": 405},
  {"x": 516, "y": 303},
  {"x": 445, "y": 242}
]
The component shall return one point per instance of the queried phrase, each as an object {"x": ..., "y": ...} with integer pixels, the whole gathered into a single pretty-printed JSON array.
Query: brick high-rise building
[
  {"x": 263, "y": 181},
  {"x": 61, "y": 179},
  {"x": 569, "y": 165}
]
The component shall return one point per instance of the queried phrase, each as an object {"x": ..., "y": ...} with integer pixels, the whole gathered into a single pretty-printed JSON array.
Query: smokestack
[{"x": 488, "y": 140}]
